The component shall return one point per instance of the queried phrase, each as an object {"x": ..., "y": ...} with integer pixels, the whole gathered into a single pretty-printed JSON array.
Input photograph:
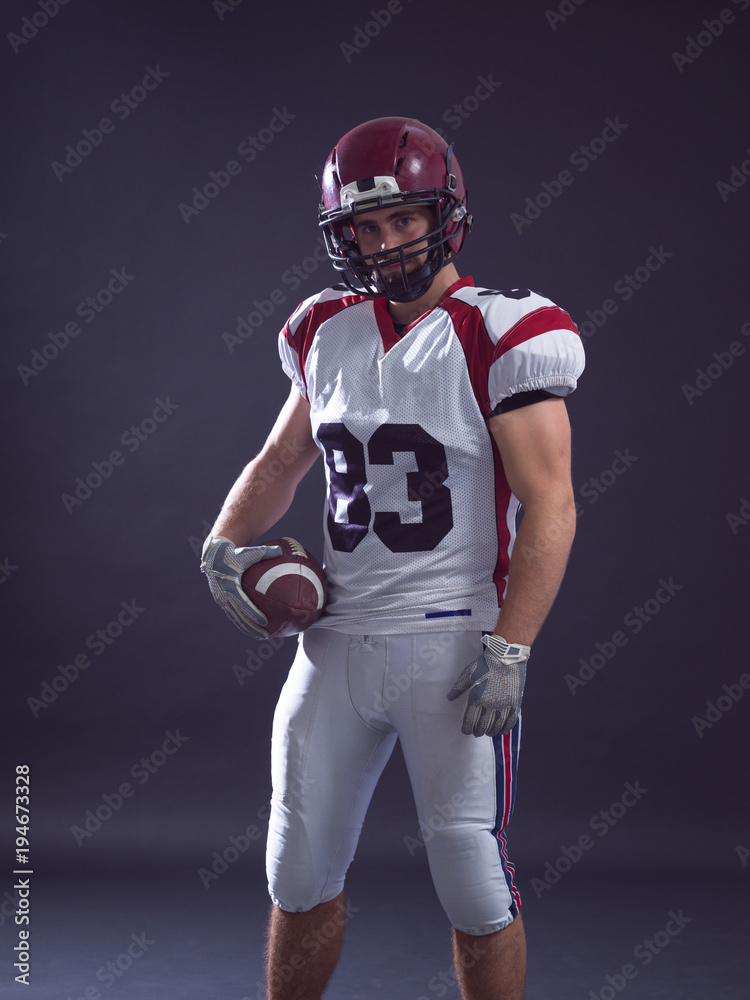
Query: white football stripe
[{"x": 275, "y": 572}]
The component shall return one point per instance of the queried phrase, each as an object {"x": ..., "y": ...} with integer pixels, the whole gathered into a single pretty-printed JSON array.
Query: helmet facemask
[
  {"x": 366, "y": 274},
  {"x": 399, "y": 153}
]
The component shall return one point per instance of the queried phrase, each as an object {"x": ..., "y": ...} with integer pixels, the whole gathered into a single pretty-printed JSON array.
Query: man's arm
[
  {"x": 264, "y": 491},
  {"x": 534, "y": 443}
]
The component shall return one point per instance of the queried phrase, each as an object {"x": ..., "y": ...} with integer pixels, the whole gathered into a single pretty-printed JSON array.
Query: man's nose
[{"x": 390, "y": 240}]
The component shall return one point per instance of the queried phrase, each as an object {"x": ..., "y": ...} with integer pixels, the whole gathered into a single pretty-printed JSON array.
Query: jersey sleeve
[
  {"x": 517, "y": 343},
  {"x": 290, "y": 361},
  {"x": 542, "y": 350},
  {"x": 289, "y": 343},
  {"x": 300, "y": 330}
]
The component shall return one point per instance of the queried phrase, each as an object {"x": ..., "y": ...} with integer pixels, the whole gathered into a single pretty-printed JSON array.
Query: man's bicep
[
  {"x": 291, "y": 442},
  {"x": 534, "y": 444}
]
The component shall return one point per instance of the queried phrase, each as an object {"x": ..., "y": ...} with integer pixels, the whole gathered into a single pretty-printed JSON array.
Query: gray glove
[
  {"x": 495, "y": 683},
  {"x": 224, "y": 563}
]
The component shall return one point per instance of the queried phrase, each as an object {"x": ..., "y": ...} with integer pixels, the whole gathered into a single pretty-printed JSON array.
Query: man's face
[{"x": 381, "y": 230}]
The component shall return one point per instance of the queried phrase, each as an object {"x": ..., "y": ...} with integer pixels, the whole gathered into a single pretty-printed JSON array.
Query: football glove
[
  {"x": 495, "y": 682},
  {"x": 224, "y": 563}
]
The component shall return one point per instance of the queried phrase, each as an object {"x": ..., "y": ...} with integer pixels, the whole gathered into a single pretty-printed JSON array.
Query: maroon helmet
[{"x": 385, "y": 162}]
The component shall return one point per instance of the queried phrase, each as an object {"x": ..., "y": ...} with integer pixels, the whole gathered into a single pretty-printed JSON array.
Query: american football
[{"x": 289, "y": 589}]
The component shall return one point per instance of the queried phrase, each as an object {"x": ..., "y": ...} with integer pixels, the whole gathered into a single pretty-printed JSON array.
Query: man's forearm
[
  {"x": 537, "y": 566},
  {"x": 264, "y": 491},
  {"x": 256, "y": 501}
]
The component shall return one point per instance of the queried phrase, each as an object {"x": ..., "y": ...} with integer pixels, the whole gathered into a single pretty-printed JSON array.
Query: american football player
[{"x": 439, "y": 409}]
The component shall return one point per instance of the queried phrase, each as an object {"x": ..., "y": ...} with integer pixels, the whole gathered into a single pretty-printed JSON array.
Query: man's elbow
[{"x": 552, "y": 517}]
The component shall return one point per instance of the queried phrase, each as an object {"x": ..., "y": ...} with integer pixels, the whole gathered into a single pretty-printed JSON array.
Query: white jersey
[{"x": 420, "y": 521}]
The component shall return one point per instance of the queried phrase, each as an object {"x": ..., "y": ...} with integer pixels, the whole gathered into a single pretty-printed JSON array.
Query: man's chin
[
  {"x": 394, "y": 282},
  {"x": 394, "y": 275}
]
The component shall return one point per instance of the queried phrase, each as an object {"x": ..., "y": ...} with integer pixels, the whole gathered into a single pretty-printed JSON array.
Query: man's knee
[
  {"x": 294, "y": 904},
  {"x": 477, "y": 897},
  {"x": 510, "y": 922},
  {"x": 301, "y": 898},
  {"x": 484, "y": 926}
]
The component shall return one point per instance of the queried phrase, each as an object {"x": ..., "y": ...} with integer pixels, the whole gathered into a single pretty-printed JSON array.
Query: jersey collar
[{"x": 385, "y": 320}]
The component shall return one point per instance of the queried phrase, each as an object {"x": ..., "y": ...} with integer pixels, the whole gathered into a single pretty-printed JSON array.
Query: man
[{"x": 439, "y": 409}]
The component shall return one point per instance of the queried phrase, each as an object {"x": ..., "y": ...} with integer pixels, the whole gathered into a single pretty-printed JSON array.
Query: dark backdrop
[{"x": 143, "y": 295}]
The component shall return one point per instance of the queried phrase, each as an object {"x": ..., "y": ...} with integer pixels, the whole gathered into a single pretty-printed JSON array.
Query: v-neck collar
[{"x": 385, "y": 320}]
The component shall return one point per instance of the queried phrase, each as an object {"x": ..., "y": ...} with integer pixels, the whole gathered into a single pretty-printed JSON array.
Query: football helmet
[{"x": 385, "y": 162}]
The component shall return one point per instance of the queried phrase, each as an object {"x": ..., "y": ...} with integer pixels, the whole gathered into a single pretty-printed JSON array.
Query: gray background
[{"x": 225, "y": 73}]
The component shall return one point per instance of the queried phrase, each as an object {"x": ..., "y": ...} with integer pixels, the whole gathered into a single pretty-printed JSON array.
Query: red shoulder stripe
[
  {"x": 542, "y": 320},
  {"x": 302, "y": 338}
]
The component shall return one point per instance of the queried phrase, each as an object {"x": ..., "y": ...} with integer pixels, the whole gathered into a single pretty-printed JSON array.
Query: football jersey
[{"x": 419, "y": 520}]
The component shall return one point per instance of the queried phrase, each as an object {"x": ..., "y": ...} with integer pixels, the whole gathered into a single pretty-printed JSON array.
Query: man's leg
[
  {"x": 464, "y": 789},
  {"x": 303, "y": 949},
  {"x": 491, "y": 966},
  {"x": 329, "y": 748}
]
